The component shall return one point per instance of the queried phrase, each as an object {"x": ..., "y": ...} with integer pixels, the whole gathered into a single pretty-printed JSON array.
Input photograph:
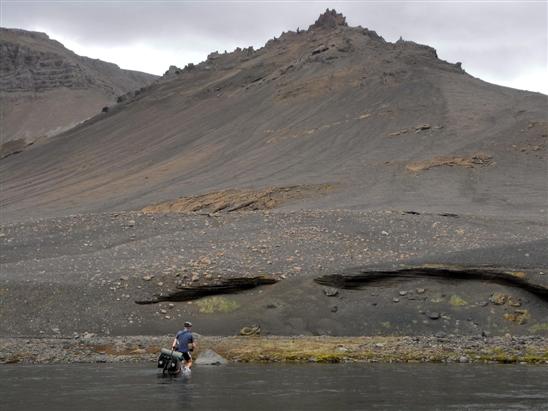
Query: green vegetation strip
[{"x": 303, "y": 349}]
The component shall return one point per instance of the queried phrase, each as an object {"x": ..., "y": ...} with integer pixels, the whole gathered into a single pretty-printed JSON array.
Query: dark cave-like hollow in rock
[
  {"x": 357, "y": 277},
  {"x": 227, "y": 286}
]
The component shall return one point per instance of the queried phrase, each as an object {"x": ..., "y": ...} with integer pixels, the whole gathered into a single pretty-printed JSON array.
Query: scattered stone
[
  {"x": 205, "y": 260},
  {"x": 148, "y": 277},
  {"x": 518, "y": 316},
  {"x": 253, "y": 330},
  {"x": 331, "y": 292},
  {"x": 514, "y": 301},
  {"x": 423, "y": 127},
  {"x": 421, "y": 290},
  {"x": 498, "y": 298},
  {"x": 433, "y": 315},
  {"x": 130, "y": 223},
  {"x": 210, "y": 357},
  {"x": 402, "y": 293},
  {"x": 440, "y": 334},
  {"x": 463, "y": 359},
  {"x": 395, "y": 300},
  {"x": 334, "y": 309}
]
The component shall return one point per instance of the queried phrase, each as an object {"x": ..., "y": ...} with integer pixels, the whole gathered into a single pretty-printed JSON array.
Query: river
[{"x": 275, "y": 387}]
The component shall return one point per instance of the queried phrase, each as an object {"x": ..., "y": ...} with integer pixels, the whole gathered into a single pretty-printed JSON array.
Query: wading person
[{"x": 184, "y": 343}]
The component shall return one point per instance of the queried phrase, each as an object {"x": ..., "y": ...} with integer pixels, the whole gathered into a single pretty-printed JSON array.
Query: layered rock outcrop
[{"x": 47, "y": 88}]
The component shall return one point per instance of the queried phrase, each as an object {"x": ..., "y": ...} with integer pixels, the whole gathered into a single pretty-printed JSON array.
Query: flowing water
[{"x": 275, "y": 387}]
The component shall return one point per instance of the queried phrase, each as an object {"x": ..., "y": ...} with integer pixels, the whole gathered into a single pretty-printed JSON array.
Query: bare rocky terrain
[
  {"x": 47, "y": 89},
  {"x": 96, "y": 266},
  {"x": 389, "y": 123},
  {"x": 328, "y": 151}
]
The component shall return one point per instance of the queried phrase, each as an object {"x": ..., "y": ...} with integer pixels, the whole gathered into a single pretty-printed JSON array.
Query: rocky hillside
[
  {"x": 385, "y": 125},
  {"x": 47, "y": 88},
  {"x": 370, "y": 187}
]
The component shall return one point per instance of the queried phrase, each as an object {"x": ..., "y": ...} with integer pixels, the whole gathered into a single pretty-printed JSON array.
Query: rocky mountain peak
[
  {"x": 4, "y": 31},
  {"x": 330, "y": 19}
]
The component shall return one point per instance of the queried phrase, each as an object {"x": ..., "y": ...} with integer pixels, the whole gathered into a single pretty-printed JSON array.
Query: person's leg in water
[{"x": 188, "y": 360}]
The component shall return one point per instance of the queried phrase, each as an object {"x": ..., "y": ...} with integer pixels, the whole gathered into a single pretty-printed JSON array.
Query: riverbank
[{"x": 89, "y": 348}]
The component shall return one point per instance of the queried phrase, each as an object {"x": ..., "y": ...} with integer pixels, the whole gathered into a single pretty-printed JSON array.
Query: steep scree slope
[{"x": 389, "y": 124}]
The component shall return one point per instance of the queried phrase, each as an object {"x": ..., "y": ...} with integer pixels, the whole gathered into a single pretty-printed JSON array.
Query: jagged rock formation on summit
[
  {"x": 389, "y": 124},
  {"x": 46, "y": 88},
  {"x": 329, "y": 19}
]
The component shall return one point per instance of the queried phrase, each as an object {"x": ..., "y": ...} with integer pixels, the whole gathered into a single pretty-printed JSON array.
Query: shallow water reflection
[{"x": 274, "y": 387}]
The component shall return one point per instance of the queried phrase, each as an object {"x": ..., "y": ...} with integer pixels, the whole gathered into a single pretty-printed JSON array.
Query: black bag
[
  {"x": 163, "y": 360},
  {"x": 173, "y": 366}
]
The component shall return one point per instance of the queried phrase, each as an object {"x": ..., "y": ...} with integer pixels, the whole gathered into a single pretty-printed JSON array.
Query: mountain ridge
[
  {"x": 47, "y": 88},
  {"x": 332, "y": 104}
]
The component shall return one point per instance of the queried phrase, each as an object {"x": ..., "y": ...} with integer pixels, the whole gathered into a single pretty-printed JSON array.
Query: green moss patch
[
  {"x": 457, "y": 301},
  {"x": 213, "y": 305}
]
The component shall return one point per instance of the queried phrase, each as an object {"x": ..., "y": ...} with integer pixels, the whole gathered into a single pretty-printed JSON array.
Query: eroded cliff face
[
  {"x": 46, "y": 88},
  {"x": 26, "y": 68}
]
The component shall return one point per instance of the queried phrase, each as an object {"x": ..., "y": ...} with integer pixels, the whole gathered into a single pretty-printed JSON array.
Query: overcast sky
[{"x": 503, "y": 42}]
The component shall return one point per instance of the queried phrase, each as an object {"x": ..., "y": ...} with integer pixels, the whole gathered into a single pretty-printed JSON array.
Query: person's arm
[
  {"x": 174, "y": 345},
  {"x": 193, "y": 344}
]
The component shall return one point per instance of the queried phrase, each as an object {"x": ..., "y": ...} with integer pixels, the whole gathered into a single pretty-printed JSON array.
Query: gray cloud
[{"x": 499, "y": 41}]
